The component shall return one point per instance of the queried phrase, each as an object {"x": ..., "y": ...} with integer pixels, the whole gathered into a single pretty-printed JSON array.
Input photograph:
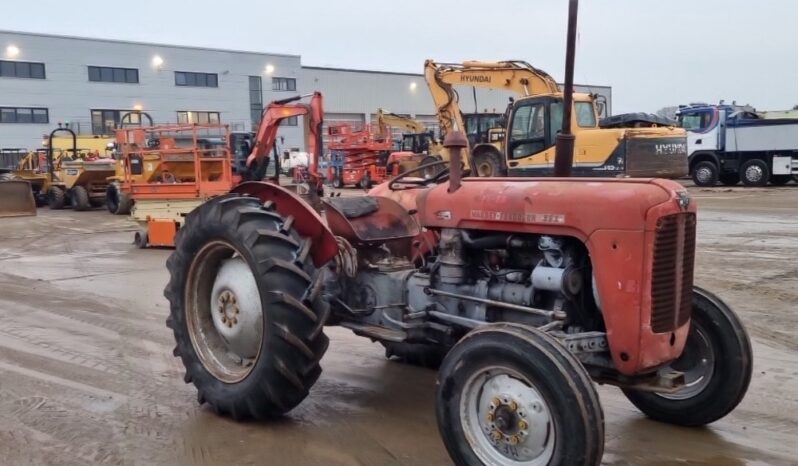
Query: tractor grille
[{"x": 672, "y": 272}]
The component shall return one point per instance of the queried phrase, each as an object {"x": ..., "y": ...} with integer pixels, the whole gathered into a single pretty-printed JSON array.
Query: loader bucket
[{"x": 16, "y": 199}]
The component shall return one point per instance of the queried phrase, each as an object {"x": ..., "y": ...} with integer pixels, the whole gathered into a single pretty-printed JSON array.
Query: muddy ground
[{"x": 87, "y": 374}]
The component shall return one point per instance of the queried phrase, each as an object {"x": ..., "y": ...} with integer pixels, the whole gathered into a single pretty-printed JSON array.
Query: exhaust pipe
[{"x": 564, "y": 145}]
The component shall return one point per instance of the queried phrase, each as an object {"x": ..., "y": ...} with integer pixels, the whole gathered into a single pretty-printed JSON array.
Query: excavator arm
[
  {"x": 279, "y": 110},
  {"x": 409, "y": 125},
  {"x": 516, "y": 76}
]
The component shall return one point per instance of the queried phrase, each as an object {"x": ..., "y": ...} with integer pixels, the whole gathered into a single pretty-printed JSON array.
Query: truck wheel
[
  {"x": 717, "y": 364},
  {"x": 56, "y": 198},
  {"x": 80, "y": 199},
  {"x": 416, "y": 354},
  {"x": 780, "y": 180},
  {"x": 489, "y": 164},
  {"x": 729, "y": 179},
  {"x": 117, "y": 202},
  {"x": 754, "y": 172},
  {"x": 247, "y": 322},
  {"x": 705, "y": 174},
  {"x": 509, "y": 394}
]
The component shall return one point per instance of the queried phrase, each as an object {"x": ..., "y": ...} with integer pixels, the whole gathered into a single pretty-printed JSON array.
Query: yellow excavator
[
  {"x": 416, "y": 138},
  {"x": 524, "y": 143}
]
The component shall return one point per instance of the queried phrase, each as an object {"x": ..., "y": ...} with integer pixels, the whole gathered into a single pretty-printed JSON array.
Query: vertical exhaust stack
[
  {"x": 564, "y": 145},
  {"x": 455, "y": 141}
]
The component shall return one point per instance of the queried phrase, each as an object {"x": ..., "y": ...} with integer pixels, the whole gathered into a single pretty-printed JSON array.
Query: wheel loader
[{"x": 525, "y": 290}]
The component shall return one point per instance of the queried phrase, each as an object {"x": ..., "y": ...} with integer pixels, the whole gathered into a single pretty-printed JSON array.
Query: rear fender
[{"x": 306, "y": 221}]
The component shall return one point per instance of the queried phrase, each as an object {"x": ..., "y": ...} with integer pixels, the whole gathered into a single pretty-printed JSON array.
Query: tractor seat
[{"x": 369, "y": 219}]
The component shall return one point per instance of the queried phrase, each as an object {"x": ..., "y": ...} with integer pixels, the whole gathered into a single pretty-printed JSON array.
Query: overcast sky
[{"x": 653, "y": 53}]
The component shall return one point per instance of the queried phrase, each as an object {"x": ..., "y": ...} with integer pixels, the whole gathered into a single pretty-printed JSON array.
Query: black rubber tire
[
  {"x": 763, "y": 181},
  {"x": 557, "y": 374},
  {"x": 732, "y": 369},
  {"x": 365, "y": 182},
  {"x": 293, "y": 313},
  {"x": 431, "y": 172},
  {"x": 729, "y": 178},
  {"x": 80, "y": 199},
  {"x": 338, "y": 182},
  {"x": 780, "y": 180},
  {"x": 141, "y": 239},
  {"x": 489, "y": 164},
  {"x": 711, "y": 179},
  {"x": 117, "y": 202},
  {"x": 56, "y": 198},
  {"x": 416, "y": 354}
]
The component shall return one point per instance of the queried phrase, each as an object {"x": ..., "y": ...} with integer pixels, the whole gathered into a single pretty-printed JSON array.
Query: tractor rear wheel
[
  {"x": 247, "y": 322},
  {"x": 717, "y": 363},
  {"x": 80, "y": 198},
  {"x": 509, "y": 394},
  {"x": 56, "y": 198}
]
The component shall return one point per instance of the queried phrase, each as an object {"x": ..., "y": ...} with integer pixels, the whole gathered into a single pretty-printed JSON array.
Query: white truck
[{"x": 731, "y": 143}]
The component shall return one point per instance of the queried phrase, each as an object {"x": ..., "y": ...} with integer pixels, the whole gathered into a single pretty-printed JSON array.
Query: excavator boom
[
  {"x": 513, "y": 75},
  {"x": 279, "y": 110}
]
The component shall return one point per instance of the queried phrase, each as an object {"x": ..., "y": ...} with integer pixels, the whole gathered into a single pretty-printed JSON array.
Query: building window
[
  {"x": 291, "y": 121},
  {"x": 24, "y": 115},
  {"x": 255, "y": 100},
  {"x": 187, "y": 78},
  {"x": 105, "y": 121},
  {"x": 107, "y": 74},
  {"x": 202, "y": 118},
  {"x": 283, "y": 84},
  {"x": 21, "y": 69}
]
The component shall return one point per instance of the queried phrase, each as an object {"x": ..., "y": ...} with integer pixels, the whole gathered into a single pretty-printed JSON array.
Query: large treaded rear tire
[
  {"x": 564, "y": 385},
  {"x": 731, "y": 369},
  {"x": 292, "y": 342},
  {"x": 117, "y": 202}
]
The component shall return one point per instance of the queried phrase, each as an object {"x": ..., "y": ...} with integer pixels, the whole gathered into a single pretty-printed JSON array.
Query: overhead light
[
  {"x": 269, "y": 69},
  {"x": 12, "y": 51},
  {"x": 138, "y": 107},
  {"x": 157, "y": 61},
  {"x": 413, "y": 86}
]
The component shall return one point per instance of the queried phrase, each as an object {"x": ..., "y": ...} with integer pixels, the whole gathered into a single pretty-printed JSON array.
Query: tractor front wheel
[
  {"x": 56, "y": 198},
  {"x": 509, "y": 394},
  {"x": 80, "y": 199},
  {"x": 716, "y": 362},
  {"x": 247, "y": 322}
]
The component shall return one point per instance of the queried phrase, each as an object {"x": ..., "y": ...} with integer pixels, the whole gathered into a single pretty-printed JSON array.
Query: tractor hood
[{"x": 566, "y": 206}]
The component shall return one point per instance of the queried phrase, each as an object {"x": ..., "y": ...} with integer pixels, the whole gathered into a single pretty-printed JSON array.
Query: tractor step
[{"x": 376, "y": 332}]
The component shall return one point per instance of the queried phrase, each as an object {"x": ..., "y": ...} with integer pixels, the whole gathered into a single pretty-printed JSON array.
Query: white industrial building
[{"x": 90, "y": 83}]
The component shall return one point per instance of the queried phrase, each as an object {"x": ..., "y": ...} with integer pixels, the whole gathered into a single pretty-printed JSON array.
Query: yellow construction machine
[
  {"x": 16, "y": 195},
  {"x": 524, "y": 144}
]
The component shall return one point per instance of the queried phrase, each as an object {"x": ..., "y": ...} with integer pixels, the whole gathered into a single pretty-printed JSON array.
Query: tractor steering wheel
[{"x": 441, "y": 174}]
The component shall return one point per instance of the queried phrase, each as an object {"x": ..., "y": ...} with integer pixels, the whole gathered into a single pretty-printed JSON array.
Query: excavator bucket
[{"x": 16, "y": 199}]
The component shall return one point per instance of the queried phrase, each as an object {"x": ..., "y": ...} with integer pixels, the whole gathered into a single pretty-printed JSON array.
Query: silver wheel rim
[
  {"x": 703, "y": 175},
  {"x": 697, "y": 363},
  {"x": 754, "y": 173},
  {"x": 506, "y": 420},
  {"x": 223, "y": 312}
]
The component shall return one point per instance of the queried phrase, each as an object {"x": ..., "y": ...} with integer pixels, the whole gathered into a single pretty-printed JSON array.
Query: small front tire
[
  {"x": 717, "y": 362},
  {"x": 510, "y": 394}
]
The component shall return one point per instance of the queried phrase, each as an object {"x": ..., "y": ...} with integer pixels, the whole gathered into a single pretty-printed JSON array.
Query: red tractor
[{"x": 534, "y": 287}]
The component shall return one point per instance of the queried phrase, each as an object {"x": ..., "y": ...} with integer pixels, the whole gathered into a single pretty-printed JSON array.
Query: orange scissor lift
[
  {"x": 188, "y": 170},
  {"x": 361, "y": 147}
]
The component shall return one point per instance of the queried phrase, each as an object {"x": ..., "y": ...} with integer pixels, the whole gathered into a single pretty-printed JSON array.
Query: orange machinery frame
[{"x": 212, "y": 174}]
